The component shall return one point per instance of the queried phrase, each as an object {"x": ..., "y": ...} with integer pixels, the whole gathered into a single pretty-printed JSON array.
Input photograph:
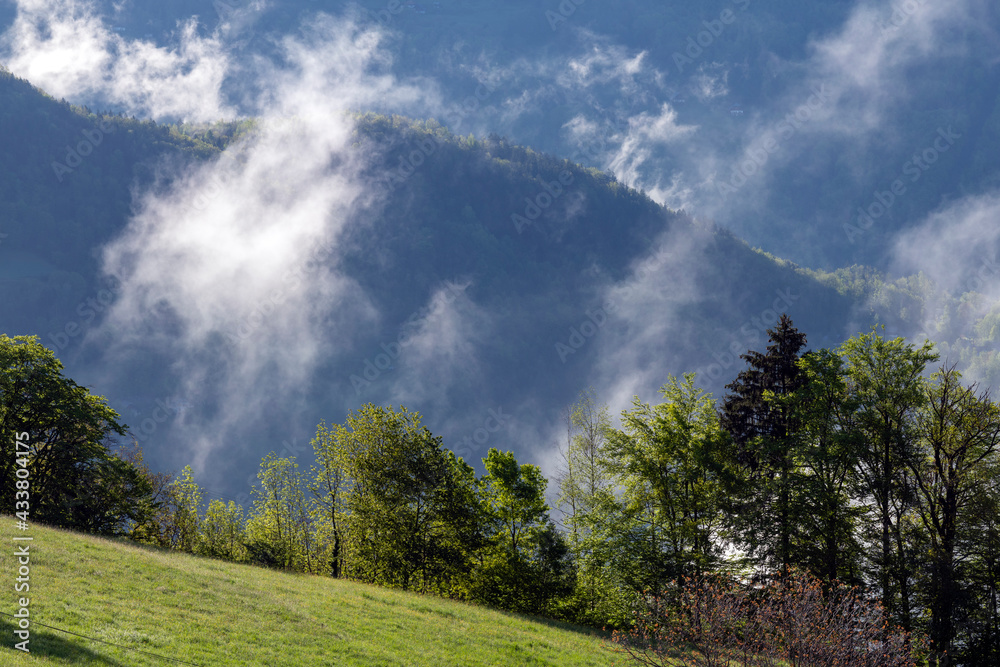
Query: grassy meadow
[{"x": 213, "y": 613}]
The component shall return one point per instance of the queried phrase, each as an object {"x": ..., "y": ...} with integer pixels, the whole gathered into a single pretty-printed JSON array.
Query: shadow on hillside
[
  {"x": 558, "y": 625},
  {"x": 47, "y": 643}
]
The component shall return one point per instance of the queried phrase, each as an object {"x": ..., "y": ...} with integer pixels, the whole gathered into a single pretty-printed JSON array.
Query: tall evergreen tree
[{"x": 763, "y": 432}]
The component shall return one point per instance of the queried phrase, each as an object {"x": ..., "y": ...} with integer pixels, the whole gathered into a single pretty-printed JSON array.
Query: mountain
[
  {"x": 470, "y": 278},
  {"x": 66, "y": 176},
  {"x": 786, "y": 123},
  {"x": 539, "y": 270}
]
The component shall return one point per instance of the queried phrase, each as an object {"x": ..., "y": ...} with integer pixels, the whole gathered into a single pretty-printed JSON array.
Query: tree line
[
  {"x": 861, "y": 465},
  {"x": 855, "y": 464},
  {"x": 386, "y": 503}
]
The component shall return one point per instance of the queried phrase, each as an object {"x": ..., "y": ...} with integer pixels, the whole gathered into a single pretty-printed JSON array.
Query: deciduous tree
[{"x": 76, "y": 480}]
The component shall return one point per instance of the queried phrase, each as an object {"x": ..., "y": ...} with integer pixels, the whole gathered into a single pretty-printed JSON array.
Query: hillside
[
  {"x": 685, "y": 294},
  {"x": 606, "y": 80},
  {"x": 656, "y": 291},
  {"x": 489, "y": 292},
  {"x": 209, "y": 612},
  {"x": 66, "y": 178}
]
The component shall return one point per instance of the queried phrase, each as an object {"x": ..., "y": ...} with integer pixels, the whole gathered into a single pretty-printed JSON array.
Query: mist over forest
[
  {"x": 601, "y": 314},
  {"x": 235, "y": 219}
]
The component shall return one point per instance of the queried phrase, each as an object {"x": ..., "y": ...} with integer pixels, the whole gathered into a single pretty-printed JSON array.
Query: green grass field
[{"x": 213, "y": 613}]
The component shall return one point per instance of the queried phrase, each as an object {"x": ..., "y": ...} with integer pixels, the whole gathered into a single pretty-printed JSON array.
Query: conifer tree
[{"x": 763, "y": 434}]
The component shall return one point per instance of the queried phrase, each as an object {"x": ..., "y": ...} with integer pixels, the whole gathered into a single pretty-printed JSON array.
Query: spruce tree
[{"x": 763, "y": 430}]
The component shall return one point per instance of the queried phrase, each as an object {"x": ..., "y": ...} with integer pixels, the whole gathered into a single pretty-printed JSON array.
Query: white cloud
[
  {"x": 442, "y": 350},
  {"x": 710, "y": 82},
  {"x": 602, "y": 64},
  {"x": 66, "y": 49},
  {"x": 836, "y": 105},
  {"x": 647, "y": 133},
  {"x": 647, "y": 306},
  {"x": 957, "y": 247},
  {"x": 229, "y": 271}
]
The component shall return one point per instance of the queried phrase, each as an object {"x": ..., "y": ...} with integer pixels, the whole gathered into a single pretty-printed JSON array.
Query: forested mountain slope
[
  {"x": 677, "y": 97},
  {"x": 522, "y": 278}
]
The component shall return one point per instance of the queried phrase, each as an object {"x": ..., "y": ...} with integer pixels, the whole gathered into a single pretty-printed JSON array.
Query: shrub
[{"x": 792, "y": 621}]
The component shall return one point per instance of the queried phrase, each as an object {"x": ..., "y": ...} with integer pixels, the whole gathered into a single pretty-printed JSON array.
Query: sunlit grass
[{"x": 210, "y": 612}]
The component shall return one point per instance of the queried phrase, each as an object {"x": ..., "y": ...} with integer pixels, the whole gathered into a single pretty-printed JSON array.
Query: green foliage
[
  {"x": 329, "y": 485},
  {"x": 527, "y": 564},
  {"x": 663, "y": 459},
  {"x": 763, "y": 429},
  {"x": 955, "y": 470},
  {"x": 222, "y": 533},
  {"x": 412, "y": 512},
  {"x": 886, "y": 379},
  {"x": 515, "y": 499},
  {"x": 588, "y": 501},
  {"x": 75, "y": 480},
  {"x": 184, "y": 503},
  {"x": 828, "y": 447},
  {"x": 279, "y": 527}
]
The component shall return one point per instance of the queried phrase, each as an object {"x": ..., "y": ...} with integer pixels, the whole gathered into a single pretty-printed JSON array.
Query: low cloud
[
  {"x": 229, "y": 271},
  {"x": 64, "y": 47},
  {"x": 646, "y": 135},
  {"x": 957, "y": 247},
  {"x": 442, "y": 351}
]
